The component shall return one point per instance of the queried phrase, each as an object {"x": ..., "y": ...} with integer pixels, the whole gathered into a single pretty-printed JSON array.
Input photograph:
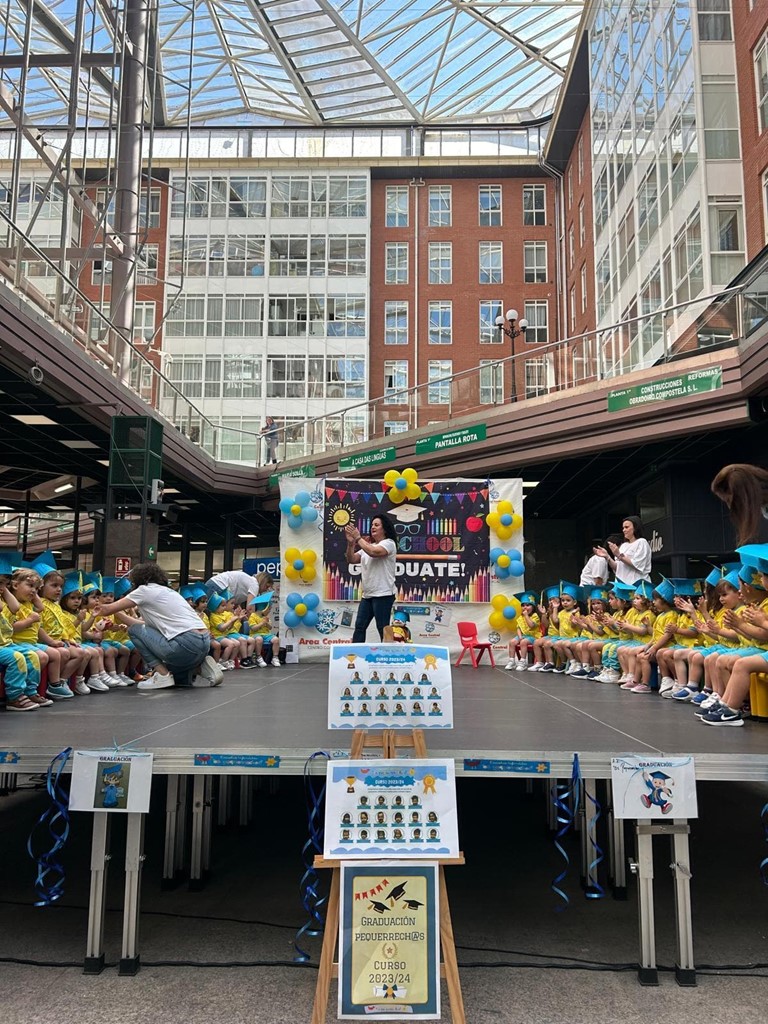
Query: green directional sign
[
  {"x": 366, "y": 459},
  {"x": 151, "y": 551},
  {"x": 451, "y": 439},
  {"x": 696, "y": 382},
  {"x": 309, "y": 470}
]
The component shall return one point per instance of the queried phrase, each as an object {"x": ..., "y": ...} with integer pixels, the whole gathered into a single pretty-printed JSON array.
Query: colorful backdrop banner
[{"x": 443, "y": 546}]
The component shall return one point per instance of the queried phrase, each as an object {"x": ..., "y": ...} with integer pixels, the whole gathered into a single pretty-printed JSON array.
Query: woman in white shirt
[
  {"x": 630, "y": 561},
  {"x": 169, "y": 636},
  {"x": 377, "y": 561}
]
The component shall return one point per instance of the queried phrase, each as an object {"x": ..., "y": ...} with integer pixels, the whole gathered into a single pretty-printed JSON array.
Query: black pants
[{"x": 379, "y": 608}]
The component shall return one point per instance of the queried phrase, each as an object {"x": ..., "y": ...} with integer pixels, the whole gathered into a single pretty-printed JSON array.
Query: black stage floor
[{"x": 498, "y": 715}]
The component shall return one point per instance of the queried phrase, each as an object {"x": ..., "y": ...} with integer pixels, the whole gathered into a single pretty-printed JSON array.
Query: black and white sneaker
[{"x": 722, "y": 715}]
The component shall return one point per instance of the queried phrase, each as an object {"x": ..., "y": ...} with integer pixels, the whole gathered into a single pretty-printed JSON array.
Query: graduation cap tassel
[
  {"x": 49, "y": 884},
  {"x": 311, "y": 899}
]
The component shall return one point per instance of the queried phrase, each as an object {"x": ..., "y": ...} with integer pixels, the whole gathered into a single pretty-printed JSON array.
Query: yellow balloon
[
  {"x": 413, "y": 491},
  {"x": 292, "y": 554},
  {"x": 390, "y": 476},
  {"x": 411, "y": 475},
  {"x": 309, "y": 574},
  {"x": 504, "y": 532},
  {"x": 300, "y": 609},
  {"x": 492, "y": 519},
  {"x": 295, "y": 510},
  {"x": 517, "y": 521},
  {"x": 396, "y": 496},
  {"x": 504, "y": 508},
  {"x": 499, "y": 602},
  {"x": 310, "y": 557},
  {"x": 497, "y": 620},
  {"x": 503, "y": 561},
  {"x": 291, "y": 573}
]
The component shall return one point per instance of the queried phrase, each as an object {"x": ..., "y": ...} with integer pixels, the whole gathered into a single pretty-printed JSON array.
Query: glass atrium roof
[{"x": 296, "y": 62}]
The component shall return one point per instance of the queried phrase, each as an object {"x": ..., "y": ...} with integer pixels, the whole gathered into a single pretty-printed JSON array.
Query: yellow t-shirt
[
  {"x": 6, "y": 629},
  {"x": 748, "y": 641},
  {"x": 612, "y": 632},
  {"x": 721, "y": 641},
  {"x": 664, "y": 622},
  {"x": 565, "y": 627},
  {"x": 30, "y": 633},
  {"x": 638, "y": 617},
  {"x": 533, "y": 630},
  {"x": 53, "y": 620},
  {"x": 73, "y": 628},
  {"x": 552, "y": 628},
  {"x": 259, "y": 624},
  {"x": 217, "y": 619},
  {"x": 684, "y": 621},
  {"x": 116, "y": 632}
]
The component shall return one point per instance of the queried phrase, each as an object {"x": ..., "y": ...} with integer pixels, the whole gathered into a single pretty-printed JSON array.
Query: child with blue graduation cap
[
  {"x": 591, "y": 629},
  {"x": 398, "y": 631},
  {"x": 528, "y": 631},
  {"x": 638, "y": 623},
  {"x": 728, "y": 709},
  {"x": 557, "y": 649},
  {"x": 21, "y": 667},
  {"x": 549, "y": 612},
  {"x": 261, "y": 629},
  {"x": 604, "y": 651},
  {"x": 664, "y": 627},
  {"x": 672, "y": 666}
]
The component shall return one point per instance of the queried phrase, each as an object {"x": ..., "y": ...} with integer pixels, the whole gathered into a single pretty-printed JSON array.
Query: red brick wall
[
  {"x": 465, "y": 292},
  {"x": 749, "y": 27},
  {"x": 585, "y": 321}
]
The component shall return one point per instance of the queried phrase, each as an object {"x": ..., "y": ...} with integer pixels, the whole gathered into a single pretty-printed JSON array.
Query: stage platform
[{"x": 499, "y": 716}]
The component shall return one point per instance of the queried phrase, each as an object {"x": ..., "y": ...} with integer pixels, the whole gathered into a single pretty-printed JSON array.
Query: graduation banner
[
  {"x": 389, "y": 942},
  {"x": 111, "y": 780},
  {"x": 653, "y": 788},
  {"x": 443, "y": 546}
]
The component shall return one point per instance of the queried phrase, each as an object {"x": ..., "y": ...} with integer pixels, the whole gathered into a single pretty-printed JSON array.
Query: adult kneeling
[{"x": 169, "y": 636}]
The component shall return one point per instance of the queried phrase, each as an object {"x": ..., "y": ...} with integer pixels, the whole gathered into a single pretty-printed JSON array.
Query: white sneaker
[
  {"x": 522, "y": 664},
  {"x": 231, "y": 666},
  {"x": 97, "y": 684},
  {"x": 261, "y": 663},
  {"x": 81, "y": 687},
  {"x": 667, "y": 686},
  {"x": 275, "y": 663},
  {"x": 125, "y": 680},
  {"x": 510, "y": 665},
  {"x": 210, "y": 671},
  {"x": 623, "y": 677},
  {"x": 111, "y": 681},
  {"x": 156, "y": 682},
  {"x": 537, "y": 666},
  {"x": 610, "y": 675},
  {"x": 710, "y": 702}
]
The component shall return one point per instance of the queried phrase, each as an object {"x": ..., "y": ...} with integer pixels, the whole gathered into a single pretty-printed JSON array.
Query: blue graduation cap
[
  {"x": 187, "y": 592},
  {"x": 91, "y": 582},
  {"x": 108, "y": 584},
  {"x": 122, "y": 587},
  {"x": 258, "y": 599},
  {"x": 644, "y": 589},
  {"x": 44, "y": 565},
  {"x": 597, "y": 594},
  {"x": 665, "y": 590},
  {"x": 571, "y": 590},
  {"x": 755, "y": 556},
  {"x": 658, "y": 775},
  {"x": 732, "y": 579},
  {"x": 527, "y": 597},
  {"x": 687, "y": 588},
  {"x": 624, "y": 591},
  {"x": 751, "y": 575},
  {"x": 6, "y": 565},
  {"x": 215, "y": 601},
  {"x": 401, "y": 615},
  {"x": 548, "y": 593},
  {"x": 73, "y": 582}
]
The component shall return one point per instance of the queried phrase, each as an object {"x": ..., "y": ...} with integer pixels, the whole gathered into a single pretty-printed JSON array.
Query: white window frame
[
  {"x": 397, "y": 334},
  {"x": 393, "y": 204},
  {"x": 396, "y": 263},
  {"x": 488, "y": 311},
  {"x": 535, "y": 269},
  {"x": 440, "y": 206},
  {"x": 440, "y": 255},
  {"x": 533, "y": 310},
  {"x": 489, "y": 214},
  {"x": 396, "y": 380},
  {"x": 439, "y": 382},
  {"x": 440, "y": 333},
  {"x": 535, "y": 213},
  {"x": 490, "y": 263}
]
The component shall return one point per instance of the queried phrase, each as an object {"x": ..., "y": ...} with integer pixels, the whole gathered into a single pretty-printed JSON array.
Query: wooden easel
[{"x": 390, "y": 741}]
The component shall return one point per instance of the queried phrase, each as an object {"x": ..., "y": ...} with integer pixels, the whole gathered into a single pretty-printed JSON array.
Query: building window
[
  {"x": 346, "y": 256},
  {"x": 535, "y": 262},
  {"x": 440, "y": 323},
  {"x": 217, "y": 256},
  {"x": 395, "y": 380},
  {"x": 569, "y": 177},
  {"x": 572, "y": 307},
  {"x": 721, "y": 119},
  {"x": 439, "y": 206},
  {"x": 290, "y": 196},
  {"x": 761, "y": 81},
  {"x": 491, "y": 263},
  {"x": 626, "y": 244},
  {"x": 242, "y": 376},
  {"x": 583, "y": 287},
  {"x": 489, "y": 203},
  {"x": 726, "y": 240},
  {"x": 186, "y": 372},
  {"x": 439, "y": 381},
  {"x": 395, "y": 427},
  {"x": 535, "y": 377},
  {"x": 580, "y": 152},
  {"x": 143, "y": 321},
  {"x": 347, "y": 196},
  {"x": 204, "y": 197},
  {"x": 489, "y": 332},
  {"x": 571, "y": 247},
  {"x": 714, "y": 20},
  {"x": 647, "y": 208},
  {"x": 101, "y": 272},
  {"x": 293, "y": 316},
  {"x": 146, "y": 264},
  {"x": 534, "y": 205},
  {"x": 688, "y": 260},
  {"x": 440, "y": 262},
  {"x": 395, "y": 323},
  {"x": 537, "y": 315},
  {"x": 765, "y": 205},
  {"x": 396, "y": 263},
  {"x": 397, "y": 206},
  {"x": 243, "y": 316},
  {"x": 582, "y": 225},
  {"x": 491, "y": 382}
]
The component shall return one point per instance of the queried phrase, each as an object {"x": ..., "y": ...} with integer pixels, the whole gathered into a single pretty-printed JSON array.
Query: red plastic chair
[{"x": 469, "y": 642}]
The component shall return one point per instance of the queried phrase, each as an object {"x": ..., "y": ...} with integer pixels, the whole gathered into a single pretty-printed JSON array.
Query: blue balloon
[
  {"x": 295, "y": 522},
  {"x": 401, "y": 483},
  {"x": 310, "y": 618},
  {"x": 311, "y": 600},
  {"x": 286, "y": 504},
  {"x": 515, "y": 555},
  {"x": 494, "y": 553},
  {"x": 298, "y": 565},
  {"x": 502, "y": 573},
  {"x": 309, "y": 515},
  {"x": 517, "y": 568},
  {"x": 292, "y": 600},
  {"x": 302, "y": 498},
  {"x": 506, "y": 519},
  {"x": 291, "y": 619},
  {"x": 509, "y": 612}
]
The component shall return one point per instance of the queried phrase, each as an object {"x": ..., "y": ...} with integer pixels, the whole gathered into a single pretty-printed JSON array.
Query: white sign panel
[
  {"x": 382, "y": 808},
  {"x": 653, "y": 788},
  {"x": 104, "y": 780},
  {"x": 390, "y": 686}
]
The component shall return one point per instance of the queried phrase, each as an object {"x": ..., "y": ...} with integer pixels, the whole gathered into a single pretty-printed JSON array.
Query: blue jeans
[
  {"x": 379, "y": 608},
  {"x": 179, "y": 655}
]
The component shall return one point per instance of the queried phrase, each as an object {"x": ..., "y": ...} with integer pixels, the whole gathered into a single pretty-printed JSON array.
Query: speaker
[{"x": 135, "y": 451}]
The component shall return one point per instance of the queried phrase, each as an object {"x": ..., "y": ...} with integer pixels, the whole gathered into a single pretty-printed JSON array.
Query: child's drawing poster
[
  {"x": 653, "y": 788},
  {"x": 104, "y": 780}
]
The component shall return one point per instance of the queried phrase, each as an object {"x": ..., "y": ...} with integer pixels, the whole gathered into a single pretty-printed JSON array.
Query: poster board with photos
[
  {"x": 389, "y": 686},
  {"x": 649, "y": 788},
  {"x": 114, "y": 781},
  {"x": 384, "y": 808}
]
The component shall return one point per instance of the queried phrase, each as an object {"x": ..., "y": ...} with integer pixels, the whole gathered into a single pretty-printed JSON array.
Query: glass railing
[{"x": 692, "y": 327}]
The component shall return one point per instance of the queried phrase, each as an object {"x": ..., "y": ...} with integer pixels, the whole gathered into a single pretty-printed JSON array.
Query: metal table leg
[
  {"x": 685, "y": 969},
  {"x": 205, "y": 858},
  {"x": 196, "y": 847},
  {"x": 589, "y": 839},
  {"x": 94, "y": 952},
  {"x": 647, "y": 973},
  {"x": 180, "y": 855},
  {"x": 222, "y": 810},
  {"x": 171, "y": 826},
  {"x": 618, "y": 855},
  {"x": 550, "y": 790},
  {"x": 246, "y": 799},
  {"x": 134, "y": 859}
]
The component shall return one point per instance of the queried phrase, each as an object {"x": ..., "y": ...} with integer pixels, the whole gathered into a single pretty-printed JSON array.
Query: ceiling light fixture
[
  {"x": 80, "y": 445},
  {"x": 246, "y": 536},
  {"x": 64, "y": 487},
  {"x": 34, "y": 420}
]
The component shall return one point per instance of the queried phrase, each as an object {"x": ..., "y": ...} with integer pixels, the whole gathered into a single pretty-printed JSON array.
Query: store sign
[
  {"x": 309, "y": 470},
  {"x": 367, "y": 459},
  {"x": 697, "y": 382},
  {"x": 451, "y": 439}
]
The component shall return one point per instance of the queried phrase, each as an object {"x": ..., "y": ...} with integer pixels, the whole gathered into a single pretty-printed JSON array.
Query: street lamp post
[{"x": 512, "y": 328}]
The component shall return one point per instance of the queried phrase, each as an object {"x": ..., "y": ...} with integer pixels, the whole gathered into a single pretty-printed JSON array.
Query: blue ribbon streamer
[
  {"x": 49, "y": 884},
  {"x": 309, "y": 886},
  {"x": 595, "y": 891},
  {"x": 561, "y": 794},
  {"x": 764, "y": 861}
]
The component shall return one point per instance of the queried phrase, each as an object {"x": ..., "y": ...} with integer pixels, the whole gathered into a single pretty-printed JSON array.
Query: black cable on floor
[{"x": 159, "y": 913}]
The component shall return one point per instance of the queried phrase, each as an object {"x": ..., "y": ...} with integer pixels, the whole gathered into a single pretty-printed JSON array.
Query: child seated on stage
[
  {"x": 93, "y": 627},
  {"x": 642, "y": 660},
  {"x": 261, "y": 629},
  {"x": 223, "y": 629},
  {"x": 115, "y": 631},
  {"x": 398, "y": 632},
  {"x": 549, "y": 613},
  {"x": 528, "y": 631},
  {"x": 73, "y": 616},
  {"x": 715, "y": 638},
  {"x": 591, "y": 629},
  {"x": 603, "y": 652},
  {"x": 638, "y": 623},
  {"x": 21, "y": 667},
  {"x": 673, "y": 658},
  {"x": 196, "y": 597},
  {"x": 24, "y": 586},
  {"x": 557, "y": 649}
]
